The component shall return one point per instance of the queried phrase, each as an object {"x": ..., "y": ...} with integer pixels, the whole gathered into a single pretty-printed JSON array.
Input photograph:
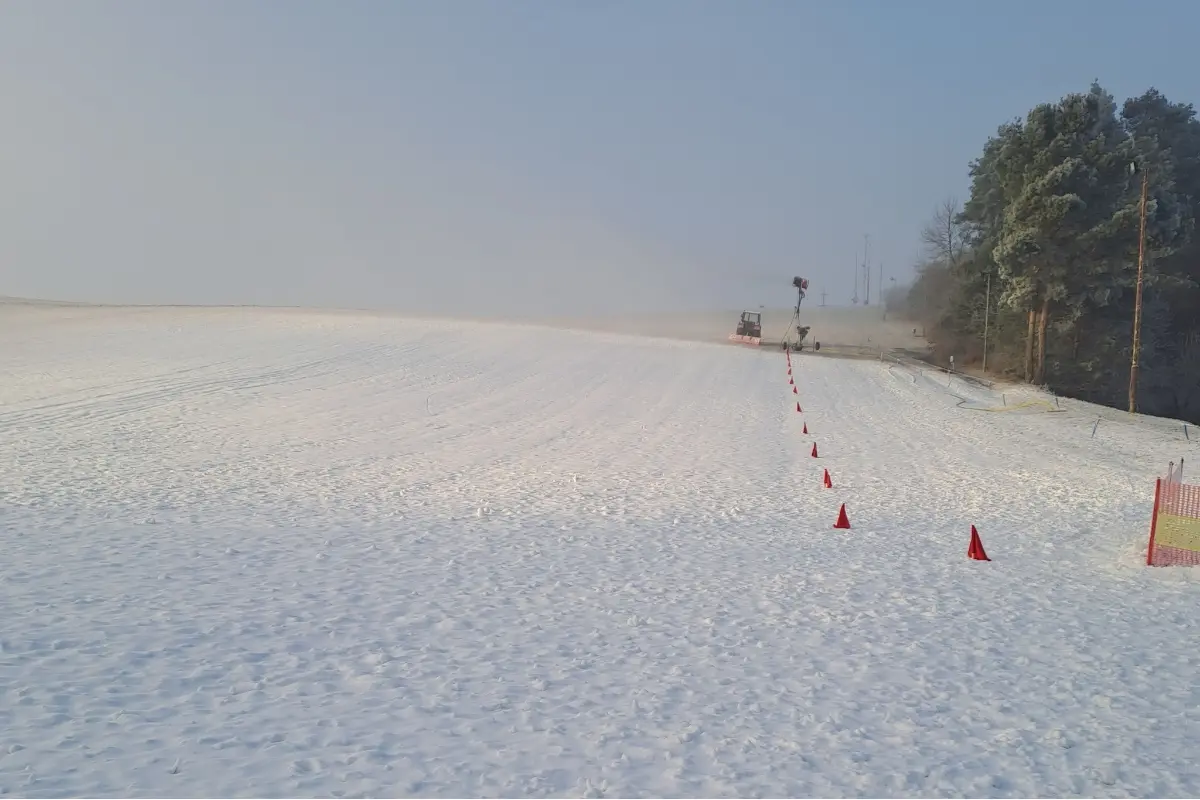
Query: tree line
[{"x": 1044, "y": 254}]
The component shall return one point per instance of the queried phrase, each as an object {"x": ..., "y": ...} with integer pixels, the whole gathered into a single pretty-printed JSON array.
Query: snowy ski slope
[{"x": 286, "y": 553}]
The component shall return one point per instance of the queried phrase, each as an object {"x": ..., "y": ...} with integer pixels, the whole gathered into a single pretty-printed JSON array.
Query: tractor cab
[{"x": 750, "y": 324}]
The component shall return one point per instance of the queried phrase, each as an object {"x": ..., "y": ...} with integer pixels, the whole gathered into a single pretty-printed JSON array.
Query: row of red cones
[
  {"x": 843, "y": 521},
  {"x": 975, "y": 549}
]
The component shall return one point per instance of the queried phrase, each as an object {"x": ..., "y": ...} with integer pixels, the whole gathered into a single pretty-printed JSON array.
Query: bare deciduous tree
[{"x": 943, "y": 236}]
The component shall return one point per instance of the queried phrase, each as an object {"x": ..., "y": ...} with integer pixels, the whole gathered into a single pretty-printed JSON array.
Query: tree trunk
[
  {"x": 950, "y": 237},
  {"x": 1039, "y": 371},
  {"x": 1029, "y": 343}
]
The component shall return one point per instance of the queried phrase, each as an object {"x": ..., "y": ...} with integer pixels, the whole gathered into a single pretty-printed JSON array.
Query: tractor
[{"x": 749, "y": 329}]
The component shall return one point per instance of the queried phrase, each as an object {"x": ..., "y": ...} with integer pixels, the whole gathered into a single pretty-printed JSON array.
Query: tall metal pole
[
  {"x": 867, "y": 269},
  {"x": 855, "y": 300},
  {"x": 879, "y": 287},
  {"x": 987, "y": 307},
  {"x": 1137, "y": 303}
]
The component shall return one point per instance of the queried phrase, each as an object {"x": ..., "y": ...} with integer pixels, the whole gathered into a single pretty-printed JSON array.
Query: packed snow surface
[{"x": 289, "y": 553}]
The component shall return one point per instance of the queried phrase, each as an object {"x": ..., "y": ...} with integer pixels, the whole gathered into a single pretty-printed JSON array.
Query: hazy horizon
[{"x": 513, "y": 159}]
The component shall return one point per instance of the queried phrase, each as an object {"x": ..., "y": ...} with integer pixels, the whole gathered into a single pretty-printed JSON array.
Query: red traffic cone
[
  {"x": 798, "y": 409},
  {"x": 842, "y": 521},
  {"x": 975, "y": 549},
  {"x": 794, "y": 390},
  {"x": 814, "y": 450},
  {"x": 791, "y": 382},
  {"x": 789, "y": 372},
  {"x": 805, "y": 428},
  {"x": 826, "y": 482}
]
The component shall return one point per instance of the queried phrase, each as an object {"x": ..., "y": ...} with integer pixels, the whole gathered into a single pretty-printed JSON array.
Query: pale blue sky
[{"x": 518, "y": 155}]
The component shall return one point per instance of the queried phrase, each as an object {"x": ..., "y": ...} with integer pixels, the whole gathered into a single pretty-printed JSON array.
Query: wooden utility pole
[
  {"x": 822, "y": 298},
  {"x": 1137, "y": 303}
]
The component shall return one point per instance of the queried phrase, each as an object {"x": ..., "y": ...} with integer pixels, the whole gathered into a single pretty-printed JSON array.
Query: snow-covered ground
[{"x": 287, "y": 553}]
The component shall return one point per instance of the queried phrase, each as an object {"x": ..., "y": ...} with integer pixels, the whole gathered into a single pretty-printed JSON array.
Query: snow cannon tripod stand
[{"x": 801, "y": 331}]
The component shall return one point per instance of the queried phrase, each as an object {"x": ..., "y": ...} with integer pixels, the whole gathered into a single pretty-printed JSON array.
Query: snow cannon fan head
[{"x": 801, "y": 284}]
